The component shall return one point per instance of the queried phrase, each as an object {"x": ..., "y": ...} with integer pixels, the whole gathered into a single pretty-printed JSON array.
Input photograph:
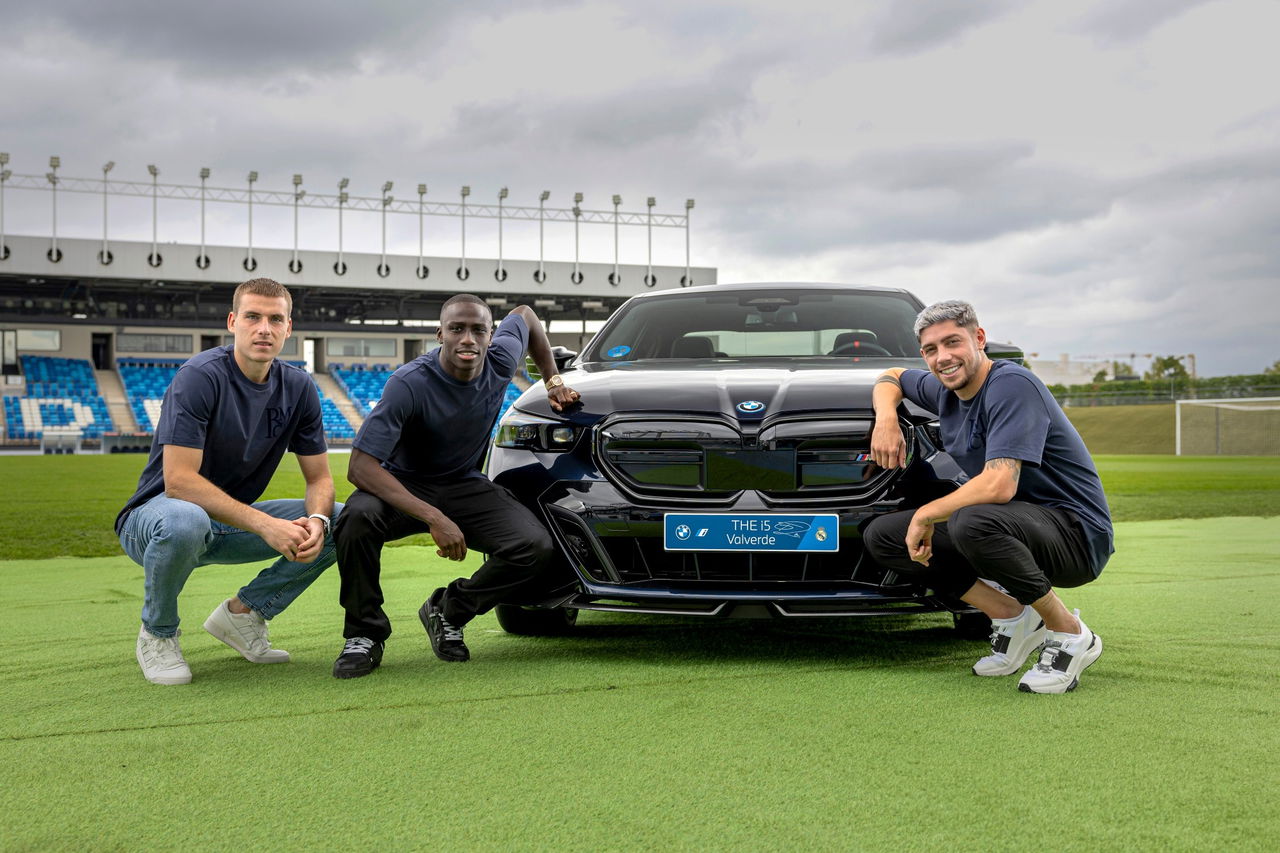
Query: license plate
[{"x": 750, "y": 532}]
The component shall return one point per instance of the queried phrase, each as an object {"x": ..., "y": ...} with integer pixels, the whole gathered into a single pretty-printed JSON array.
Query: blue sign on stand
[{"x": 750, "y": 532}]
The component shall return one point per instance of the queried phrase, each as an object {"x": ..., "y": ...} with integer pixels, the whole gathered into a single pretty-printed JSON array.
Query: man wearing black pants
[
  {"x": 416, "y": 466},
  {"x": 1031, "y": 517}
]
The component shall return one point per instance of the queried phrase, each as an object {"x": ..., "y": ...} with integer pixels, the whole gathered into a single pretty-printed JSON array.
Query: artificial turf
[
  {"x": 651, "y": 732},
  {"x": 76, "y": 498}
]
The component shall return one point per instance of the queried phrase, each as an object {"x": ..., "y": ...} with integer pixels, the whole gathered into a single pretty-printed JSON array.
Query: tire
[
  {"x": 974, "y": 625},
  {"x": 536, "y": 621}
]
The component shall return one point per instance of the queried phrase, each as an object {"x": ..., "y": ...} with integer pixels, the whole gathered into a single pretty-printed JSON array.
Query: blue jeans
[{"x": 170, "y": 537}]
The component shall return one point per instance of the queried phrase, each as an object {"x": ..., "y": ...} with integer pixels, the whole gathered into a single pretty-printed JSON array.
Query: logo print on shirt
[{"x": 276, "y": 419}]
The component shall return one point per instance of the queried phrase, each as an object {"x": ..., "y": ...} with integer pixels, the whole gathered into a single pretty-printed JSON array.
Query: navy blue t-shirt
[
  {"x": 242, "y": 426},
  {"x": 429, "y": 426},
  {"x": 1013, "y": 416}
]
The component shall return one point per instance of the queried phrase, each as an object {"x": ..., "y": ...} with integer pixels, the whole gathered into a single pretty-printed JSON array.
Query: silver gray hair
[{"x": 956, "y": 310}]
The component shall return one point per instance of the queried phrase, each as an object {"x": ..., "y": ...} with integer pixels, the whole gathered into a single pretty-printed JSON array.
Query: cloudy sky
[{"x": 1098, "y": 177}]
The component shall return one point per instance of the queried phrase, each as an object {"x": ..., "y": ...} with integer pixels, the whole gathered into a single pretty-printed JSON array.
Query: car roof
[{"x": 772, "y": 285}]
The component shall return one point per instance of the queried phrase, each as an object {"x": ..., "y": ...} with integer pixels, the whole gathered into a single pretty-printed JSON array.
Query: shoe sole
[
  {"x": 425, "y": 617},
  {"x": 215, "y": 630},
  {"x": 1089, "y": 660}
]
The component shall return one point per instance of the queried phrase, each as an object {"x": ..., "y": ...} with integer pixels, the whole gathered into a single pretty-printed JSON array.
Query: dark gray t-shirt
[
  {"x": 244, "y": 428},
  {"x": 1013, "y": 416},
  {"x": 429, "y": 426}
]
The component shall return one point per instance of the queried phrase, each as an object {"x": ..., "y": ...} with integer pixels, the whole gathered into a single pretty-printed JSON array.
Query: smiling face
[
  {"x": 465, "y": 329},
  {"x": 261, "y": 325},
  {"x": 955, "y": 355}
]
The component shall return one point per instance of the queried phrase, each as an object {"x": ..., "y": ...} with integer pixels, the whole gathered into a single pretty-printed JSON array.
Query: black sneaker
[
  {"x": 446, "y": 640},
  {"x": 360, "y": 656}
]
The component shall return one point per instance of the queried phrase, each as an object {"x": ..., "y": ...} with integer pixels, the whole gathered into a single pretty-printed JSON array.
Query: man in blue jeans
[
  {"x": 227, "y": 419},
  {"x": 1031, "y": 517}
]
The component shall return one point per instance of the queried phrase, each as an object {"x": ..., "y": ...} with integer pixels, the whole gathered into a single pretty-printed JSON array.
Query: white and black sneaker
[
  {"x": 1012, "y": 641},
  {"x": 360, "y": 656},
  {"x": 1064, "y": 658}
]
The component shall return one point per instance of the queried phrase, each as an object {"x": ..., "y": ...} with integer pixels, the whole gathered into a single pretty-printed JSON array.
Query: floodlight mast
[
  {"x": 4, "y": 178},
  {"x": 52, "y": 177},
  {"x": 542, "y": 213},
  {"x": 249, "y": 263},
  {"x": 104, "y": 256},
  {"x": 501, "y": 273},
  {"x": 339, "y": 267}
]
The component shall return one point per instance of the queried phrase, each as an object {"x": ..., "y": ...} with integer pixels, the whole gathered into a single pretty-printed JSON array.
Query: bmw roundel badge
[{"x": 750, "y": 407}]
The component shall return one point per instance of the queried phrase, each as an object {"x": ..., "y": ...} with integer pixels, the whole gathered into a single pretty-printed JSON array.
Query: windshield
[{"x": 778, "y": 323}]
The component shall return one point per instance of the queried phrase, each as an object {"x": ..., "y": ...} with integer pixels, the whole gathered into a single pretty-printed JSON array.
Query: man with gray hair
[{"x": 1031, "y": 517}]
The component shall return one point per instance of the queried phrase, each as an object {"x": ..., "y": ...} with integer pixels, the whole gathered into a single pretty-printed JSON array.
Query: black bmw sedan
[{"x": 719, "y": 462}]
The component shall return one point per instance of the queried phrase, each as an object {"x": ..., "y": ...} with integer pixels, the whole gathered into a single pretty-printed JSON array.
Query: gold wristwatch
[{"x": 554, "y": 382}]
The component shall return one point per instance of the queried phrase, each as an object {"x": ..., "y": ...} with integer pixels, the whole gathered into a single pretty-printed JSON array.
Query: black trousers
[
  {"x": 1026, "y": 548},
  {"x": 492, "y": 521}
]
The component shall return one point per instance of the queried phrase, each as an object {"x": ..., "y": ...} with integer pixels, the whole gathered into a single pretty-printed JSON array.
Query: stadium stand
[
  {"x": 145, "y": 381},
  {"x": 61, "y": 392},
  {"x": 362, "y": 384}
]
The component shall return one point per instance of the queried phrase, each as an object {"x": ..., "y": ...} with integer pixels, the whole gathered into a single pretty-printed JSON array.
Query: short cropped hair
[
  {"x": 955, "y": 310},
  {"x": 267, "y": 287},
  {"x": 465, "y": 297}
]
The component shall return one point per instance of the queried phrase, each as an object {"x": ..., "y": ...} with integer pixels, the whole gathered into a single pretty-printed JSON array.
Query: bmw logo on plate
[
  {"x": 750, "y": 407},
  {"x": 683, "y": 531}
]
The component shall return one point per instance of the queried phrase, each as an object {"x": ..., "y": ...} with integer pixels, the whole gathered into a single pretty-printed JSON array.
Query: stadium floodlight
[
  {"x": 501, "y": 274},
  {"x": 52, "y": 177},
  {"x": 541, "y": 275},
  {"x": 383, "y": 269},
  {"x": 616, "y": 278},
  {"x": 577, "y": 216},
  {"x": 295, "y": 265},
  {"x": 297, "y": 180},
  {"x": 4, "y": 177},
  {"x": 463, "y": 272},
  {"x": 688, "y": 273},
  {"x": 105, "y": 256},
  {"x": 648, "y": 278},
  {"x": 249, "y": 263},
  {"x": 422, "y": 202},
  {"x": 202, "y": 260},
  {"x": 154, "y": 258},
  {"x": 338, "y": 266}
]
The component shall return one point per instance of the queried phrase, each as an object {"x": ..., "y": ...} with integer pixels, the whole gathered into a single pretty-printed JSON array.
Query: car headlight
[{"x": 526, "y": 432}]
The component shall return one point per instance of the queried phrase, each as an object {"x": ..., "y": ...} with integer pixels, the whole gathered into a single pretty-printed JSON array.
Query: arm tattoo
[
  {"x": 890, "y": 379},
  {"x": 1014, "y": 466}
]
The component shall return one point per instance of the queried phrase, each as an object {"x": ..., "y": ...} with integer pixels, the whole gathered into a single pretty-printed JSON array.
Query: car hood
[{"x": 717, "y": 388}]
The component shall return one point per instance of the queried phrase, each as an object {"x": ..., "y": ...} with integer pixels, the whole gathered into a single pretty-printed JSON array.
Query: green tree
[
  {"x": 1166, "y": 367},
  {"x": 1273, "y": 370}
]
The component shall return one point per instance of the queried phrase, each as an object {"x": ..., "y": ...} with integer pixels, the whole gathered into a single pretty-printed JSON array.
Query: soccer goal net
[{"x": 1236, "y": 427}]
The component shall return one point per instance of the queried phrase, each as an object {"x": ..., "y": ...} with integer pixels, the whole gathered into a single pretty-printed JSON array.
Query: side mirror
[{"x": 562, "y": 356}]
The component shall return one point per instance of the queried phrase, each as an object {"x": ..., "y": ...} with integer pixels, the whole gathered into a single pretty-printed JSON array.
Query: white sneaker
[
  {"x": 1012, "y": 640},
  {"x": 244, "y": 632},
  {"x": 1065, "y": 656},
  {"x": 161, "y": 659}
]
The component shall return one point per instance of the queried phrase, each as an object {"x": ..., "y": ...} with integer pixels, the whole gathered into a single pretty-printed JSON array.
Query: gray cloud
[
  {"x": 1124, "y": 21},
  {"x": 904, "y": 28}
]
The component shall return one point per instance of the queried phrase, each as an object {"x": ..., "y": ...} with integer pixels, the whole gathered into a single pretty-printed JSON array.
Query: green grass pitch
[{"x": 645, "y": 732}]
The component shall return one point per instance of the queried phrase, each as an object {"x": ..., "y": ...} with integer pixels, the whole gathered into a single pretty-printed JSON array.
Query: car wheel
[
  {"x": 973, "y": 625},
  {"x": 536, "y": 621}
]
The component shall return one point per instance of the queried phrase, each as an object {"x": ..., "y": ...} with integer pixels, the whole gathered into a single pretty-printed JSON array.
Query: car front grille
[
  {"x": 689, "y": 459},
  {"x": 640, "y": 559}
]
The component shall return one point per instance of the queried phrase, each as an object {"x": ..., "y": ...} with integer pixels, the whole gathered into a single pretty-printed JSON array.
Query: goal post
[{"x": 1237, "y": 426}]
